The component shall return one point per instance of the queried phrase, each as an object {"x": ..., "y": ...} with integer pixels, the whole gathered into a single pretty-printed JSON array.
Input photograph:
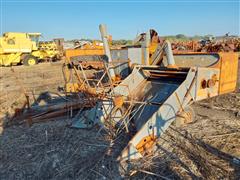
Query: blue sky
[{"x": 74, "y": 19}]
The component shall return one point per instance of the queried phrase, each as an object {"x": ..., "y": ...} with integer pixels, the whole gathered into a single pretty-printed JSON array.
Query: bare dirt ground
[{"x": 209, "y": 148}]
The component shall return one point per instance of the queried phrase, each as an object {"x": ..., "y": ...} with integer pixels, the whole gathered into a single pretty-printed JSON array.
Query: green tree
[{"x": 181, "y": 36}]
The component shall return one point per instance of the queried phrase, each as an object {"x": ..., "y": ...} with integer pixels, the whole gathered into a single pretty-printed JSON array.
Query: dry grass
[{"x": 202, "y": 150}]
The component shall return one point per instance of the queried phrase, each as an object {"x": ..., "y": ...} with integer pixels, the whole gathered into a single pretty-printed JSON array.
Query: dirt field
[
  {"x": 34, "y": 80},
  {"x": 209, "y": 148}
]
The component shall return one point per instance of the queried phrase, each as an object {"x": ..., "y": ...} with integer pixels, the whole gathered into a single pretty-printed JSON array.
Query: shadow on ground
[{"x": 53, "y": 150}]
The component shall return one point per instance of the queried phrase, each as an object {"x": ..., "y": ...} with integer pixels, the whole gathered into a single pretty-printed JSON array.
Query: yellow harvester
[{"x": 23, "y": 48}]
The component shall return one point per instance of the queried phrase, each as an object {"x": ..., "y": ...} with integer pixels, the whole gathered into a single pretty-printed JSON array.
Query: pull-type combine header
[{"x": 154, "y": 96}]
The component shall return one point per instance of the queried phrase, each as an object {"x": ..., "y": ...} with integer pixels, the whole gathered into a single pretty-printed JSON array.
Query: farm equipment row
[{"x": 25, "y": 48}]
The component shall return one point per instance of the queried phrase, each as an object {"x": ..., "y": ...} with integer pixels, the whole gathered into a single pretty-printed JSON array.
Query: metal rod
[
  {"x": 145, "y": 49},
  {"x": 103, "y": 31},
  {"x": 169, "y": 53}
]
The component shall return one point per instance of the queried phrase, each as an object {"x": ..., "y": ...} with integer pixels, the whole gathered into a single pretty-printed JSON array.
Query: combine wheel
[
  {"x": 186, "y": 117},
  {"x": 29, "y": 60}
]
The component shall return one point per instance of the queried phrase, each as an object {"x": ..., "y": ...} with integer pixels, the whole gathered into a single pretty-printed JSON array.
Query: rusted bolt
[
  {"x": 210, "y": 83},
  {"x": 204, "y": 84}
]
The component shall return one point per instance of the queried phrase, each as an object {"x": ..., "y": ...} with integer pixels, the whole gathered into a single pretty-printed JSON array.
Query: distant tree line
[
  {"x": 178, "y": 37},
  {"x": 182, "y": 37}
]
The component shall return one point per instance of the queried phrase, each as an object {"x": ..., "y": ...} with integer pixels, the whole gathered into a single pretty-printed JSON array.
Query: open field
[
  {"x": 207, "y": 148},
  {"x": 34, "y": 81}
]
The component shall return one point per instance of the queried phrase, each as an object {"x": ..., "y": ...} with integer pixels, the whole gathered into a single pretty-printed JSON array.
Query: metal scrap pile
[
  {"x": 224, "y": 45},
  {"x": 185, "y": 46},
  {"x": 57, "y": 106}
]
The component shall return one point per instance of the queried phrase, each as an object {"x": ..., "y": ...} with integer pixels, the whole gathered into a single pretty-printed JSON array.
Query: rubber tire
[
  {"x": 181, "y": 120},
  {"x": 26, "y": 59}
]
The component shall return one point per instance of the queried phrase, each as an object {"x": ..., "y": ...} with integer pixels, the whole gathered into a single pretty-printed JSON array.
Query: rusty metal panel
[
  {"x": 133, "y": 54},
  {"x": 228, "y": 72},
  {"x": 79, "y": 52},
  {"x": 194, "y": 60},
  {"x": 207, "y": 83}
]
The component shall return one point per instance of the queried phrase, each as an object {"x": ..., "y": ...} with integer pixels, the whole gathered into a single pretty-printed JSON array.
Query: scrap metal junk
[
  {"x": 226, "y": 44},
  {"x": 144, "y": 101},
  {"x": 154, "y": 96}
]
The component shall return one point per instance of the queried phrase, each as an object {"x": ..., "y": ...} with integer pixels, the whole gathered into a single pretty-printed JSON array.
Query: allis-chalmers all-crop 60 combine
[{"x": 155, "y": 94}]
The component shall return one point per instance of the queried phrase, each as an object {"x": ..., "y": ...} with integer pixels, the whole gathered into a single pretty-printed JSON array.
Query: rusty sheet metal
[
  {"x": 228, "y": 74},
  {"x": 226, "y": 62},
  {"x": 89, "y": 61},
  {"x": 226, "y": 44},
  {"x": 207, "y": 83},
  {"x": 49, "y": 112},
  {"x": 82, "y": 52},
  {"x": 195, "y": 59}
]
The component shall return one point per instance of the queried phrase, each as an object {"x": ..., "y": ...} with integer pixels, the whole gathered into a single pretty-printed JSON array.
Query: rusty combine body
[
  {"x": 153, "y": 96},
  {"x": 89, "y": 61},
  {"x": 144, "y": 100},
  {"x": 87, "y": 54},
  {"x": 90, "y": 55},
  {"x": 95, "y": 48},
  {"x": 169, "y": 92}
]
